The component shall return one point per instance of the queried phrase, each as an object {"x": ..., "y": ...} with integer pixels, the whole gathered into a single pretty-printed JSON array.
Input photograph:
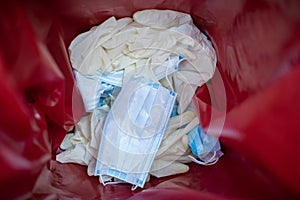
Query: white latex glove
[
  {"x": 187, "y": 79},
  {"x": 174, "y": 149},
  {"x": 125, "y": 43},
  {"x": 85, "y": 142},
  {"x": 167, "y": 169},
  {"x": 117, "y": 44},
  {"x": 161, "y": 18},
  {"x": 86, "y": 53}
]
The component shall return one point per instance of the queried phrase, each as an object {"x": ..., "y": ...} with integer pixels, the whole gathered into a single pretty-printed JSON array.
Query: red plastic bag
[{"x": 252, "y": 100}]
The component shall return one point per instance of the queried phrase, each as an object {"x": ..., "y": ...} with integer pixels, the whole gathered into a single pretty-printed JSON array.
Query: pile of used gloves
[{"x": 137, "y": 77}]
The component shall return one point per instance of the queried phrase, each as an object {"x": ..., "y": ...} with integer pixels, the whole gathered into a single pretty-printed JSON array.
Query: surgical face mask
[
  {"x": 108, "y": 94},
  {"x": 113, "y": 78},
  {"x": 205, "y": 147},
  {"x": 98, "y": 89},
  {"x": 133, "y": 131}
]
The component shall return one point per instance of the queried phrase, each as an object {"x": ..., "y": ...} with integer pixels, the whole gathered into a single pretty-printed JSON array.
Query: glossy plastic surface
[{"x": 252, "y": 101}]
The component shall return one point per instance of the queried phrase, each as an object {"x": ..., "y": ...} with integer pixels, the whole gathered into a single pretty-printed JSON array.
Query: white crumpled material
[
  {"x": 82, "y": 145},
  {"x": 152, "y": 35},
  {"x": 147, "y": 39}
]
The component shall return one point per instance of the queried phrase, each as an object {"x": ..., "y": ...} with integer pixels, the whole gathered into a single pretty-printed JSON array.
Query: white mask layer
[{"x": 148, "y": 107}]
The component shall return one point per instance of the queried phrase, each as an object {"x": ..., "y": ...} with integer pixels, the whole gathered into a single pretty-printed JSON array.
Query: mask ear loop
[
  {"x": 209, "y": 162},
  {"x": 151, "y": 71},
  {"x": 134, "y": 187},
  {"x": 166, "y": 75},
  {"x": 101, "y": 180},
  {"x": 112, "y": 98},
  {"x": 110, "y": 182}
]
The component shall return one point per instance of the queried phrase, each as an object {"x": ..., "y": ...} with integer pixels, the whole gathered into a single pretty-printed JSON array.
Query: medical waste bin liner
[{"x": 252, "y": 102}]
